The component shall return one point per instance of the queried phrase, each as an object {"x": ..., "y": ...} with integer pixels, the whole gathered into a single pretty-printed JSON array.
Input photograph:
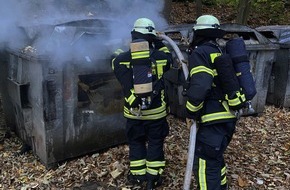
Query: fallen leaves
[
  {"x": 263, "y": 156},
  {"x": 257, "y": 158},
  {"x": 242, "y": 182}
]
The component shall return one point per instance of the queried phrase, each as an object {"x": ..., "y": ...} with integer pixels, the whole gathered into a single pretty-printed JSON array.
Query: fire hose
[{"x": 192, "y": 138}]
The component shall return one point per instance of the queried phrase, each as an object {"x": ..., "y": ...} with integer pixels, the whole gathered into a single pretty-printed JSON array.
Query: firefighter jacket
[
  {"x": 206, "y": 101},
  {"x": 161, "y": 61}
]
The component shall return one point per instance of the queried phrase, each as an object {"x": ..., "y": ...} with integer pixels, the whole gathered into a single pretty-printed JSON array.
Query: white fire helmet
[
  {"x": 144, "y": 26},
  {"x": 206, "y": 22}
]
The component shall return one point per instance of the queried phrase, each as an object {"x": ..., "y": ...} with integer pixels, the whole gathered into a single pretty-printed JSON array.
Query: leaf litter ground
[{"x": 257, "y": 158}]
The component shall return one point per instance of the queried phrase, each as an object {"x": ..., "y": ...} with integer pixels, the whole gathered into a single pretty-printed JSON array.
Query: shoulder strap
[{"x": 213, "y": 43}]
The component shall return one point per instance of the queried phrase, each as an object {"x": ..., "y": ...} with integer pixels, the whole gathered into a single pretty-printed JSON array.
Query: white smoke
[{"x": 40, "y": 24}]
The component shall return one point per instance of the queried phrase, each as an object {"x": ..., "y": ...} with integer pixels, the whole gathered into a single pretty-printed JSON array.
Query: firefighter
[
  {"x": 206, "y": 104},
  {"x": 140, "y": 72}
]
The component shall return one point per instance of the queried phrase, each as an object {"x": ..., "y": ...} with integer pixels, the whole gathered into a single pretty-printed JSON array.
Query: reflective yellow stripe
[
  {"x": 202, "y": 174},
  {"x": 193, "y": 108},
  {"x": 113, "y": 63},
  {"x": 155, "y": 172},
  {"x": 127, "y": 64},
  {"x": 154, "y": 116},
  {"x": 226, "y": 106},
  {"x": 140, "y": 54},
  {"x": 236, "y": 101},
  {"x": 160, "y": 65},
  {"x": 233, "y": 102},
  {"x": 224, "y": 180},
  {"x": 215, "y": 72},
  {"x": 151, "y": 114},
  {"x": 200, "y": 69},
  {"x": 217, "y": 116},
  {"x": 161, "y": 61},
  {"x": 152, "y": 171},
  {"x": 156, "y": 110},
  {"x": 131, "y": 98},
  {"x": 223, "y": 171},
  {"x": 138, "y": 172},
  {"x": 153, "y": 66},
  {"x": 155, "y": 164},
  {"x": 223, "y": 175},
  {"x": 118, "y": 51},
  {"x": 164, "y": 49},
  {"x": 153, "y": 111},
  {"x": 137, "y": 163},
  {"x": 214, "y": 55}
]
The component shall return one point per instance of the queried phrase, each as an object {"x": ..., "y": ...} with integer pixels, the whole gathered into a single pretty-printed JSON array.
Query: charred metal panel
[
  {"x": 52, "y": 115},
  {"x": 279, "y": 86},
  {"x": 6, "y": 102}
]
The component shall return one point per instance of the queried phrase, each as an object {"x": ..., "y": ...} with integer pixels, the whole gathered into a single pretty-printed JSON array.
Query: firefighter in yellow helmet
[
  {"x": 140, "y": 72},
  {"x": 207, "y": 105}
]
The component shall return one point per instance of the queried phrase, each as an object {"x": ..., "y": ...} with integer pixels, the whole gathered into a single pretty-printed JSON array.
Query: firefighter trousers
[
  {"x": 209, "y": 165},
  {"x": 146, "y": 140}
]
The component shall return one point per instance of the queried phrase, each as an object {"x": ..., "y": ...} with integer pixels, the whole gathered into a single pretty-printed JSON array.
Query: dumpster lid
[
  {"x": 88, "y": 25},
  {"x": 273, "y": 28},
  {"x": 181, "y": 34},
  {"x": 250, "y": 35},
  {"x": 84, "y": 36},
  {"x": 276, "y": 33}
]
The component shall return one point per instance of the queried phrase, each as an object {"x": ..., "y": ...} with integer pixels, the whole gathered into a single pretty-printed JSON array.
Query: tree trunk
[
  {"x": 287, "y": 4},
  {"x": 243, "y": 11},
  {"x": 167, "y": 9},
  {"x": 198, "y": 8}
]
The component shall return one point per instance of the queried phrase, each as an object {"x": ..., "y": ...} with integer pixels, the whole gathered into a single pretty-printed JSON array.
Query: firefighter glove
[{"x": 158, "y": 43}]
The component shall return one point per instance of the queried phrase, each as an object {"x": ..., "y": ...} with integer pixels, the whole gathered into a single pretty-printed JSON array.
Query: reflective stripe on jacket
[
  {"x": 205, "y": 97},
  {"x": 161, "y": 62}
]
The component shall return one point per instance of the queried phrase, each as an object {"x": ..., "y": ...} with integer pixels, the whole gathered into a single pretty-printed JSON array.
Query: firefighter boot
[
  {"x": 152, "y": 184},
  {"x": 224, "y": 187},
  {"x": 136, "y": 179}
]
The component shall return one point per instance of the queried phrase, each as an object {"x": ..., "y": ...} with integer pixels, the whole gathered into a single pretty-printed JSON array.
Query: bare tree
[{"x": 243, "y": 11}]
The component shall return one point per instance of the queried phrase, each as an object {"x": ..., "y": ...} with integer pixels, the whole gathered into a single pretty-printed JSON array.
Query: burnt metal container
[
  {"x": 66, "y": 107},
  {"x": 279, "y": 88}
]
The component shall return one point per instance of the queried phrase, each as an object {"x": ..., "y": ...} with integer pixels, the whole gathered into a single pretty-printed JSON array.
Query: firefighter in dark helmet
[
  {"x": 140, "y": 72},
  {"x": 208, "y": 106}
]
